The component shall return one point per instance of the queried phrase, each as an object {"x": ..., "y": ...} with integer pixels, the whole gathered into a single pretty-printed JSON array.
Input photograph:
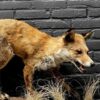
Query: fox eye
[{"x": 78, "y": 51}]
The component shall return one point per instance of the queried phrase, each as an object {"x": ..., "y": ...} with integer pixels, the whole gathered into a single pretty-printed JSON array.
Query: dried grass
[
  {"x": 90, "y": 90},
  {"x": 52, "y": 90},
  {"x": 37, "y": 96},
  {"x": 4, "y": 96},
  {"x": 55, "y": 91}
]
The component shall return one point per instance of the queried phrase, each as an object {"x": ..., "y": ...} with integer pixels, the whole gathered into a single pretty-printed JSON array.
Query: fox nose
[{"x": 93, "y": 64}]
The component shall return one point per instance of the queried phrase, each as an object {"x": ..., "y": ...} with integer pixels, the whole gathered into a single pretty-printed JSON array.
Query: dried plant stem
[{"x": 90, "y": 90}]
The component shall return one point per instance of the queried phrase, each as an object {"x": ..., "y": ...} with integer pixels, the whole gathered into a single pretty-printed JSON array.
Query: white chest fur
[{"x": 54, "y": 60}]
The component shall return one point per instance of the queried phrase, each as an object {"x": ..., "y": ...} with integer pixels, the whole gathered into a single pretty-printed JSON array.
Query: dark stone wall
[{"x": 54, "y": 17}]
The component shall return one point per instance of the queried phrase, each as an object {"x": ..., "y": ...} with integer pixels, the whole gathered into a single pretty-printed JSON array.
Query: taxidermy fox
[{"x": 39, "y": 50}]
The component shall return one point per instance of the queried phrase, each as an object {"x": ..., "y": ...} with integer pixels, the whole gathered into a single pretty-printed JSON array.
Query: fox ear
[
  {"x": 87, "y": 35},
  {"x": 69, "y": 35}
]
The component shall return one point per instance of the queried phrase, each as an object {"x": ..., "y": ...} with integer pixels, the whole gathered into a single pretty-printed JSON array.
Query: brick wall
[{"x": 55, "y": 17}]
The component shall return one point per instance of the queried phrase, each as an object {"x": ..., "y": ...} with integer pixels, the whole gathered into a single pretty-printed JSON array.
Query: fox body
[{"x": 39, "y": 50}]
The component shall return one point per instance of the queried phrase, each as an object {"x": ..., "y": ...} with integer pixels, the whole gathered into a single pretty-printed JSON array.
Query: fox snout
[
  {"x": 93, "y": 64},
  {"x": 89, "y": 64},
  {"x": 84, "y": 63}
]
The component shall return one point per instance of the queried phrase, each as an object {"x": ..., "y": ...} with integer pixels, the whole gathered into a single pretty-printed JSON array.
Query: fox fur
[{"x": 39, "y": 50}]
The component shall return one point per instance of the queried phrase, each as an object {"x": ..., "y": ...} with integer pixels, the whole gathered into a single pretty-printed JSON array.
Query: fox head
[{"x": 77, "y": 49}]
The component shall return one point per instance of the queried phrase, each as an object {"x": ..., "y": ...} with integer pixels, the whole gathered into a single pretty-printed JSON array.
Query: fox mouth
[{"x": 79, "y": 66}]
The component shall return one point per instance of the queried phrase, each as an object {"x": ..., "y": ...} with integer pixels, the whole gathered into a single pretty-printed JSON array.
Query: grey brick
[
  {"x": 77, "y": 6},
  {"x": 51, "y": 24},
  {"x": 69, "y": 13},
  {"x": 95, "y": 23},
  {"x": 47, "y": 31},
  {"x": 58, "y": 32},
  {"x": 77, "y": 2},
  {"x": 82, "y": 31},
  {"x": 94, "y": 12},
  {"x": 15, "y": 5},
  {"x": 33, "y": 14},
  {"x": 49, "y": 4},
  {"x": 29, "y": 22},
  {"x": 61, "y": 31},
  {"x": 81, "y": 23},
  {"x": 91, "y": 54},
  {"x": 6, "y": 14},
  {"x": 52, "y": 32},
  {"x": 97, "y": 56},
  {"x": 94, "y": 70},
  {"x": 96, "y": 34},
  {"x": 95, "y": 3},
  {"x": 22, "y": 0},
  {"x": 86, "y": 23},
  {"x": 82, "y": 76},
  {"x": 94, "y": 44},
  {"x": 88, "y": 3}
]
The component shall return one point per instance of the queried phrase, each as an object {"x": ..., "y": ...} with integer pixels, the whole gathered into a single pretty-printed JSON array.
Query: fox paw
[{"x": 4, "y": 96}]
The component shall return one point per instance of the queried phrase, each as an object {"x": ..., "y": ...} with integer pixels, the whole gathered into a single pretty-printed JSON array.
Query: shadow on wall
[
  {"x": 11, "y": 77},
  {"x": 12, "y": 82}
]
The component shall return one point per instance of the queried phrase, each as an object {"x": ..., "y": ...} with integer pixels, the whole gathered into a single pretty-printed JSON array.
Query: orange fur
[{"x": 35, "y": 47}]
